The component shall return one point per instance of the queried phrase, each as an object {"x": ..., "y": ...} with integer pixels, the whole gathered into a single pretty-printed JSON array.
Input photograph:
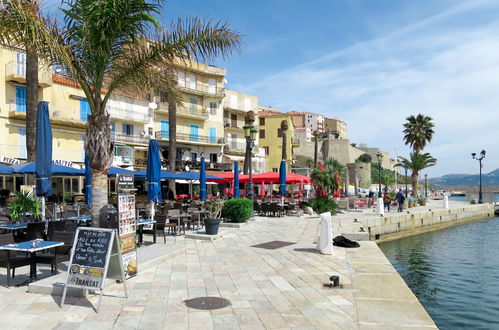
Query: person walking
[
  {"x": 400, "y": 200},
  {"x": 387, "y": 199}
]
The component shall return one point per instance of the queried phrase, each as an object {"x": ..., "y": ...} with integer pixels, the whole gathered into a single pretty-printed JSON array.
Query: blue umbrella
[
  {"x": 6, "y": 169},
  {"x": 88, "y": 180},
  {"x": 118, "y": 170},
  {"x": 236, "y": 180},
  {"x": 27, "y": 168},
  {"x": 202, "y": 180},
  {"x": 153, "y": 174},
  {"x": 282, "y": 178},
  {"x": 43, "y": 163}
]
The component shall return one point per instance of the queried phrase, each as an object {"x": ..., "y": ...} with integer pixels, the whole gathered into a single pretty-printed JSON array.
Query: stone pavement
[{"x": 273, "y": 289}]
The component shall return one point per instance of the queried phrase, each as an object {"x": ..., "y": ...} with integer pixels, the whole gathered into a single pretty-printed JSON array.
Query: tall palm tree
[
  {"x": 417, "y": 162},
  {"x": 418, "y": 131},
  {"x": 329, "y": 177},
  {"x": 106, "y": 46}
]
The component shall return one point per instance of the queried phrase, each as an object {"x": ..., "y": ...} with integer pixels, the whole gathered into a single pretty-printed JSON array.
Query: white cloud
[{"x": 437, "y": 67}]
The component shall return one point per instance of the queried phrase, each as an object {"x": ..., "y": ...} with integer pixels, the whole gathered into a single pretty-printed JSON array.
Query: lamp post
[
  {"x": 250, "y": 134},
  {"x": 482, "y": 156},
  {"x": 426, "y": 185},
  {"x": 379, "y": 156},
  {"x": 406, "y": 191}
]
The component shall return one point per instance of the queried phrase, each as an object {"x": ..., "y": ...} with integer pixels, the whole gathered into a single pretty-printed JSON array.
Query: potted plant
[
  {"x": 422, "y": 201},
  {"x": 25, "y": 204},
  {"x": 237, "y": 209},
  {"x": 213, "y": 214}
]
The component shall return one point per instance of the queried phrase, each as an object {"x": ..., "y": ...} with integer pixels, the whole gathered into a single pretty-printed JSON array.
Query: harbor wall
[{"x": 400, "y": 225}]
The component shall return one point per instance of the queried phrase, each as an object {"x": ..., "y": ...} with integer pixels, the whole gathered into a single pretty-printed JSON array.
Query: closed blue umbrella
[
  {"x": 43, "y": 163},
  {"x": 153, "y": 173},
  {"x": 202, "y": 180},
  {"x": 88, "y": 180},
  {"x": 282, "y": 178},
  {"x": 237, "y": 193}
]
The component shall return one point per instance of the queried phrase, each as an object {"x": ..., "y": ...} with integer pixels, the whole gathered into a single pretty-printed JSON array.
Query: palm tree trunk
[
  {"x": 247, "y": 160},
  {"x": 172, "y": 143},
  {"x": 414, "y": 183},
  {"x": 100, "y": 150},
  {"x": 31, "y": 106},
  {"x": 284, "y": 146}
]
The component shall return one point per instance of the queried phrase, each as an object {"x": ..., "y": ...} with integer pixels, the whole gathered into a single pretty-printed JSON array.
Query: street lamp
[
  {"x": 426, "y": 185},
  {"x": 250, "y": 134},
  {"x": 482, "y": 156},
  {"x": 379, "y": 156},
  {"x": 406, "y": 191}
]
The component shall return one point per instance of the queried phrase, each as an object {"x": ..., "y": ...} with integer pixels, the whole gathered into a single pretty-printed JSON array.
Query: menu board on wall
[{"x": 127, "y": 225}]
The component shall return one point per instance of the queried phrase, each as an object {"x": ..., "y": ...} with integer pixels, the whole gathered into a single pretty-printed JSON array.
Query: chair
[
  {"x": 195, "y": 217},
  {"x": 10, "y": 259},
  {"x": 160, "y": 225},
  {"x": 54, "y": 226},
  {"x": 68, "y": 214},
  {"x": 58, "y": 254},
  {"x": 257, "y": 209},
  {"x": 35, "y": 230},
  {"x": 275, "y": 209},
  {"x": 177, "y": 221}
]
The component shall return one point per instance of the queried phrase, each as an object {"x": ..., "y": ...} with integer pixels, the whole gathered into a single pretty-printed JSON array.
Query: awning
[
  {"x": 241, "y": 158},
  {"x": 193, "y": 182}
]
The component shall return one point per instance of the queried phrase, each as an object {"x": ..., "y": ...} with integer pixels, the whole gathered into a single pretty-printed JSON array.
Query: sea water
[{"x": 454, "y": 272}]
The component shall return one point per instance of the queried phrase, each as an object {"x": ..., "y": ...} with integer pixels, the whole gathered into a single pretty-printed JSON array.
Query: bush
[
  {"x": 323, "y": 204},
  {"x": 237, "y": 209}
]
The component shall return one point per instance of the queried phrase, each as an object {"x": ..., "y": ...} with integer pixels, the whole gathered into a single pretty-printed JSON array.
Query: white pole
[
  {"x": 152, "y": 210},
  {"x": 43, "y": 208}
]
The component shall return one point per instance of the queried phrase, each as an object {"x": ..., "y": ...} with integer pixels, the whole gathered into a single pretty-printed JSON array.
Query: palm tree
[
  {"x": 329, "y": 177},
  {"x": 418, "y": 131},
  {"x": 416, "y": 163},
  {"x": 106, "y": 46}
]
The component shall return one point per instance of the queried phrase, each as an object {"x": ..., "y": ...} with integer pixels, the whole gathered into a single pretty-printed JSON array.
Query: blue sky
[{"x": 372, "y": 63}]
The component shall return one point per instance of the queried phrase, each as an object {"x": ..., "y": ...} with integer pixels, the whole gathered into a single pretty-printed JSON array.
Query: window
[
  {"x": 267, "y": 150},
  {"x": 275, "y": 169},
  {"x": 279, "y": 132},
  {"x": 21, "y": 64},
  {"x": 165, "y": 129},
  {"x": 213, "y": 108},
  {"x": 193, "y": 104},
  {"x": 194, "y": 156},
  {"x": 262, "y": 121},
  {"x": 149, "y": 131},
  {"x": 233, "y": 120},
  {"x": 84, "y": 110},
  {"x": 233, "y": 141},
  {"x": 193, "y": 81},
  {"x": 20, "y": 99},
  {"x": 194, "y": 133},
  {"x": 23, "y": 153},
  {"x": 213, "y": 135},
  {"x": 213, "y": 158},
  {"x": 127, "y": 129},
  {"x": 262, "y": 134},
  {"x": 181, "y": 79},
  {"x": 212, "y": 86}
]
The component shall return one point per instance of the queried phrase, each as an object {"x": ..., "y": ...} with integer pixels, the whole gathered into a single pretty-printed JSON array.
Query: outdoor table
[
  {"x": 14, "y": 226},
  {"x": 80, "y": 218},
  {"x": 140, "y": 228},
  {"x": 199, "y": 213},
  {"x": 28, "y": 247},
  {"x": 179, "y": 217}
]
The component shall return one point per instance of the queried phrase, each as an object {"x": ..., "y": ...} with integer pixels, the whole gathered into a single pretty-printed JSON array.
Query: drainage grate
[
  {"x": 207, "y": 303},
  {"x": 273, "y": 245}
]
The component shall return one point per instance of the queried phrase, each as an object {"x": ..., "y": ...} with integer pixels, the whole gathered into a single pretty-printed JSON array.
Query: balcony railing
[
  {"x": 180, "y": 165},
  {"x": 203, "y": 89},
  {"x": 120, "y": 137},
  {"x": 16, "y": 71},
  {"x": 127, "y": 114},
  {"x": 164, "y": 135},
  {"x": 192, "y": 112},
  {"x": 228, "y": 123},
  {"x": 235, "y": 146}
]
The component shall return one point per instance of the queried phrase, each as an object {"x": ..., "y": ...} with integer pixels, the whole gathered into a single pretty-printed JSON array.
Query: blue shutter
[
  {"x": 113, "y": 130},
  {"x": 165, "y": 129},
  {"x": 23, "y": 153},
  {"x": 123, "y": 129},
  {"x": 194, "y": 133},
  {"x": 84, "y": 110},
  {"x": 131, "y": 129},
  {"x": 213, "y": 135},
  {"x": 20, "y": 98}
]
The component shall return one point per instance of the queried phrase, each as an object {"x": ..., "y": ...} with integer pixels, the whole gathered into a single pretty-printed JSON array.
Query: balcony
[
  {"x": 238, "y": 147},
  {"x": 17, "y": 109},
  {"x": 202, "y": 90},
  {"x": 193, "y": 113},
  {"x": 233, "y": 125},
  {"x": 191, "y": 138},
  {"x": 180, "y": 165},
  {"x": 295, "y": 142},
  {"x": 16, "y": 71},
  {"x": 66, "y": 117},
  {"x": 128, "y": 114},
  {"x": 131, "y": 139}
]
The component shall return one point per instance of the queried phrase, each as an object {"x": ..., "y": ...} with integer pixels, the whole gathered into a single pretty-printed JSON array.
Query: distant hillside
[{"x": 488, "y": 179}]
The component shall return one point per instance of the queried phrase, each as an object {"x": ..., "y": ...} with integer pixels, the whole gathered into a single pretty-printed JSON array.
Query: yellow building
[
  {"x": 269, "y": 125},
  {"x": 236, "y": 105}
]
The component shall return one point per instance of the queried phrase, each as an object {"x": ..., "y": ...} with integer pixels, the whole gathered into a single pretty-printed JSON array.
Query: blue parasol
[
  {"x": 202, "y": 180},
  {"x": 237, "y": 193}
]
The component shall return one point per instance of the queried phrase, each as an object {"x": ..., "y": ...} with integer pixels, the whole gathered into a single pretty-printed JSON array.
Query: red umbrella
[{"x": 262, "y": 190}]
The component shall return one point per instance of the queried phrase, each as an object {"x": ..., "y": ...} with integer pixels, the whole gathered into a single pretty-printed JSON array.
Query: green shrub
[
  {"x": 237, "y": 209},
  {"x": 323, "y": 204},
  {"x": 25, "y": 203}
]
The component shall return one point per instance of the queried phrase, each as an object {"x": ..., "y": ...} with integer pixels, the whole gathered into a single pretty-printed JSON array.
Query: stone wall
[{"x": 400, "y": 225}]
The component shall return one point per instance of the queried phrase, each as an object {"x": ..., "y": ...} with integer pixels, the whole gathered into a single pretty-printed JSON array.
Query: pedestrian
[
  {"x": 387, "y": 199},
  {"x": 400, "y": 200}
]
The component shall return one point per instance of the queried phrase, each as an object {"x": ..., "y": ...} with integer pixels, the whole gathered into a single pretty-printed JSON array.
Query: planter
[
  {"x": 211, "y": 226},
  {"x": 422, "y": 203}
]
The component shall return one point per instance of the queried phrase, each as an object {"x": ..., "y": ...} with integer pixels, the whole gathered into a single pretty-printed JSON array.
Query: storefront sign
[
  {"x": 9, "y": 160},
  {"x": 65, "y": 163},
  {"x": 124, "y": 181}
]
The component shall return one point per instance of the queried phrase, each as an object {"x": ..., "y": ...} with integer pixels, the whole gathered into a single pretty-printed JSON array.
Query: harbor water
[{"x": 454, "y": 273}]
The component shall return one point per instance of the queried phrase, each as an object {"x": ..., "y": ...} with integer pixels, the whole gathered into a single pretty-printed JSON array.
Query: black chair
[
  {"x": 35, "y": 230},
  {"x": 11, "y": 259},
  {"x": 257, "y": 208},
  {"x": 55, "y": 226},
  {"x": 57, "y": 254},
  {"x": 160, "y": 225},
  {"x": 70, "y": 226}
]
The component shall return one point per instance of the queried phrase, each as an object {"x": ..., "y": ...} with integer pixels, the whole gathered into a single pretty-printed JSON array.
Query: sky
[{"x": 372, "y": 63}]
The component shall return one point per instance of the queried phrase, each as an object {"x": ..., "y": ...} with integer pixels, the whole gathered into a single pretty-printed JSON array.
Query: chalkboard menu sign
[{"x": 95, "y": 256}]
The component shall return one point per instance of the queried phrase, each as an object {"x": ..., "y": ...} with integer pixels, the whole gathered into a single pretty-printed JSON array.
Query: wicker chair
[
  {"x": 57, "y": 254},
  {"x": 10, "y": 259}
]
